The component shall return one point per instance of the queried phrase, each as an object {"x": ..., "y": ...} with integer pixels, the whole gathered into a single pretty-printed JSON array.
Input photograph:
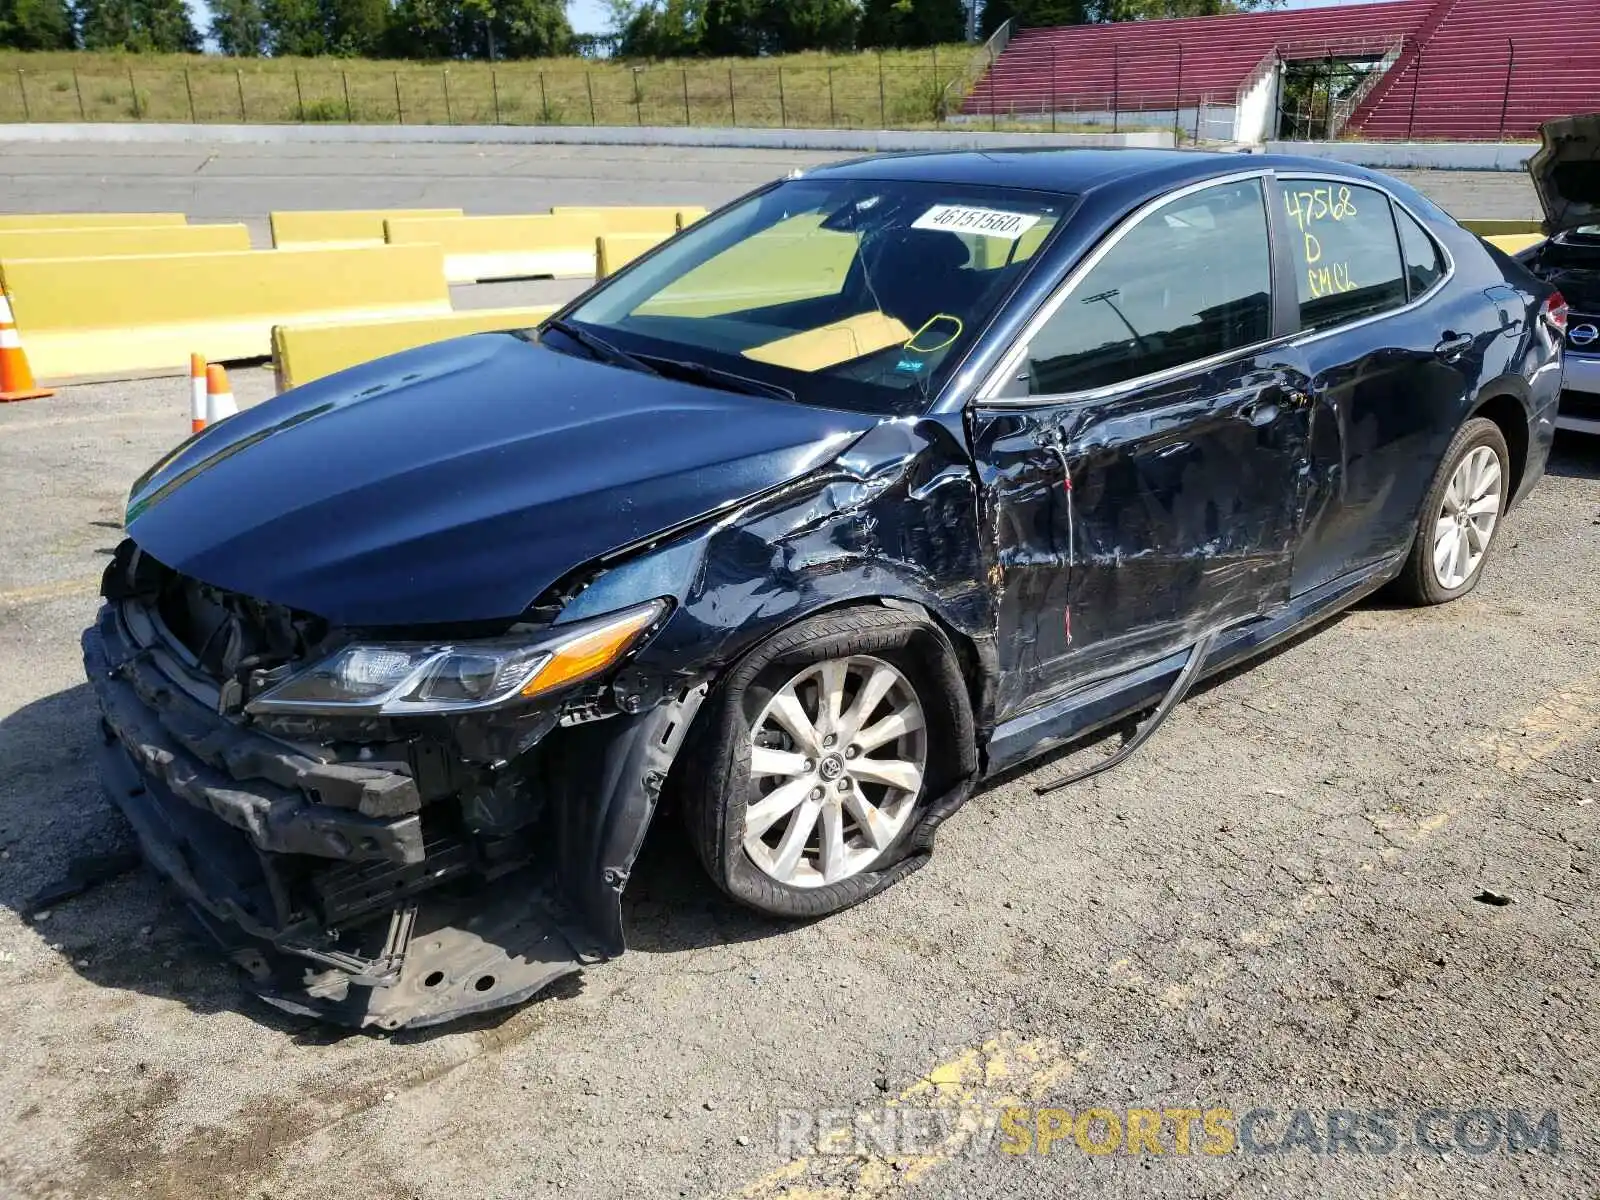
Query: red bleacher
[
  {"x": 1455, "y": 79},
  {"x": 1449, "y": 80}
]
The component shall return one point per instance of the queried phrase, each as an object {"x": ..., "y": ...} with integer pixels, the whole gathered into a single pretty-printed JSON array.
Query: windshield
[{"x": 852, "y": 294}]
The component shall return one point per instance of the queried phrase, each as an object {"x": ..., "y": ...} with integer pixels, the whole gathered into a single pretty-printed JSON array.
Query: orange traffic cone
[
  {"x": 197, "y": 393},
  {"x": 16, "y": 379},
  {"x": 219, "y": 395}
]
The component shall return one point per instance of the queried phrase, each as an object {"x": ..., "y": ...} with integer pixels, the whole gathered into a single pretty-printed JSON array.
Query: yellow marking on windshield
[
  {"x": 937, "y": 319},
  {"x": 829, "y": 345}
]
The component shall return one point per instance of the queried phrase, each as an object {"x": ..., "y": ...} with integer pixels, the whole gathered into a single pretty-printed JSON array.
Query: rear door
[
  {"x": 1140, "y": 452},
  {"x": 1391, "y": 352}
]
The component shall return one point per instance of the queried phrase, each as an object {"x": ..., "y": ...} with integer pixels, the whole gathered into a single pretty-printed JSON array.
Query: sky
[{"x": 587, "y": 16}]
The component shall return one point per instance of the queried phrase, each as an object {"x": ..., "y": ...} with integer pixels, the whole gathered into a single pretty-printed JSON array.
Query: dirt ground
[{"x": 1289, "y": 901}]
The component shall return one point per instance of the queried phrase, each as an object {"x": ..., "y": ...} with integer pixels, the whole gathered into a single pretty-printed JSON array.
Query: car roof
[{"x": 1073, "y": 171}]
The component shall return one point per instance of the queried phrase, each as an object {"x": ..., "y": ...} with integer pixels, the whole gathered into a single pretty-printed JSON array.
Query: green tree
[
  {"x": 239, "y": 27},
  {"x": 750, "y": 27},
  {"x": 35, "y": 25},
  {"x": 161, "y": 26},
  {"x": 529, "y": 29},
  {"x": 313, "y": 27},
  {"x": 1035, "y": 14},
  {"x": 911, "y": 23},
  {"x": 735, "y": 28},
  {"x": 170, "y": 27},
  {"x": 660, "y": 29},
  {"x": 355, "y": 27},
  {"x": 421, "y": 29},
  {"x": 797, "y": 25},
  {"x": 295, "y": 27},
  {"x": 479, "y": 29}
]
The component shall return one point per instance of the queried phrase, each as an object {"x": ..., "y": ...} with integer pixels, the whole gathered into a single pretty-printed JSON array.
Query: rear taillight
[{"x": 1555, "y": 312}]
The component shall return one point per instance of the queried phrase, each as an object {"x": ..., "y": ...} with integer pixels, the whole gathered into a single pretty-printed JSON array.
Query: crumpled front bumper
[{"x": 263, "y": 843}]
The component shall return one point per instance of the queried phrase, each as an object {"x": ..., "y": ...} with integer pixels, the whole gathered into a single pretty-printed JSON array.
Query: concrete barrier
[
  {"x": 114, "y": 317},
  {"x": 102, "y": 241},
  {"x": 303, "y": 352},
  {"x": 87, "y": 220},
  {"x": 1438, "y": 156},
  {"x": 514, "y": 247},
  {"x": 616, "y": 250},
  {"x": 341, "y": 227},
  {"x": 638, "y": 219}
]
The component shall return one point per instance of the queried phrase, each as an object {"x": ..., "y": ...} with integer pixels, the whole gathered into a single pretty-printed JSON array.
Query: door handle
[{"x": 1453, "y": 345}]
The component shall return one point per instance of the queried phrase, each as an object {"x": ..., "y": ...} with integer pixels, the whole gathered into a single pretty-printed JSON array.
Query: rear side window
[
  {"x": 1346, "y": 253},
  {"x": 1424, "y": 266},
  {"x": 1191, "y": 280}
]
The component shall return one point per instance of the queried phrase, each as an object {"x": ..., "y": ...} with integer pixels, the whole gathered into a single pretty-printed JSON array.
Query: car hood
[
  {"x": 1566, "y": 172},
  {"x": 456, "y": 482}
]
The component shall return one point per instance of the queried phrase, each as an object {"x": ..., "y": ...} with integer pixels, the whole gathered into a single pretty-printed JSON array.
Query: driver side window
[{"x": 1190, "y": 280}]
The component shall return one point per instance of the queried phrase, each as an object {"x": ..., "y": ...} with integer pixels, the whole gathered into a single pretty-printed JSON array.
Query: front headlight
[{"x": 402, "y": 679}]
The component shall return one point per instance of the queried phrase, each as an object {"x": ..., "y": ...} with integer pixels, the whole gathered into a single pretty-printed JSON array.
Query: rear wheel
[
  {"x": 1461, "y": 516},
  {"x": 819, "y": 755}
]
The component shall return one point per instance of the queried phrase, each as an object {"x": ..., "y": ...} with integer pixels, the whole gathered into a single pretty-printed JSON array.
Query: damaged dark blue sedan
[{"x": 877, "y": 482}]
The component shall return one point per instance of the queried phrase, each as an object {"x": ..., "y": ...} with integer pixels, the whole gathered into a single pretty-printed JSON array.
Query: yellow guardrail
[
  {"x": 1486, "y": 227},
  {"x": 1511, "y": 243},
  {"x": 103, "y": 241},
  {"x": 303, "y": 352},
  {"x": 340, "y": 227},
  {"x": 616, "y": 250},
  {"x": 87, "y": 220},
  {"x": 514, "y": 247},
  {"x": 634, "y": 219},
  {"x": 560, "y": 243},
  {"x": 98, "y": 317}
]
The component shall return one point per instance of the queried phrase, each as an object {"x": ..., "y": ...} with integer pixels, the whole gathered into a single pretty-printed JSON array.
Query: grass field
[{"x": 897, "y": 90}]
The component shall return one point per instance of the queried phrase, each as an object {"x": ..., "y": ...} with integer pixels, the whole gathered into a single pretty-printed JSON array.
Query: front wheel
[
  {"x": 1459, "y": 520},
  {"x": 821, "y": 752}
]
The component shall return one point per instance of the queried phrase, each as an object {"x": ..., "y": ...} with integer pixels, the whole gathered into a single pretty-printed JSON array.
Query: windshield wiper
[
  {"x": 599, "y": 347},
  {"x": 728, "y": 381}
]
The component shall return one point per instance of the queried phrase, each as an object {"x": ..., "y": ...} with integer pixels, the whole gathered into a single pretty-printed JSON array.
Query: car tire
[
  {"x": 722, "y": 782},
  {"x": 1456, "y": 531}
]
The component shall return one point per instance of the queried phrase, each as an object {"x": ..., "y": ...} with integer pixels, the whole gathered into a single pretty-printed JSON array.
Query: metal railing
[
  {"x": 1342, "y": 110},
  {"x": 980, "y": 65}
]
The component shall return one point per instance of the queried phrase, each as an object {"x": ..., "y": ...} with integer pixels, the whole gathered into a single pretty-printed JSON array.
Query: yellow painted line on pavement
[
  {"x": 1004, "y": 1072},
  {"x": 1553, "y": 723},
  {"x": 57, "y": 590}
]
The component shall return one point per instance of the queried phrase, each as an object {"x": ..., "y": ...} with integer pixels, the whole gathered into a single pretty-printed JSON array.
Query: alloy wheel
[
  {"x": 837, "y": 758},
  {"x": 1467, "y": 518}
]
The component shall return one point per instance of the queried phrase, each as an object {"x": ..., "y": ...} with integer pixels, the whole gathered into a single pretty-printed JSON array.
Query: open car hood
[
  {"x": 456, "y": 482},
  {"x": 1566, "y": 172}
]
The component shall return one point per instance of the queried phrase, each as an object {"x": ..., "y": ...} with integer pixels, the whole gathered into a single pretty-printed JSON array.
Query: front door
[{"x": 1140, "y": 467}]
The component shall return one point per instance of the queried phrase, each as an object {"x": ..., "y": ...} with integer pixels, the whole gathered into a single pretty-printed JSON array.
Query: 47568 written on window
[{"x": 1346, "y": 251}]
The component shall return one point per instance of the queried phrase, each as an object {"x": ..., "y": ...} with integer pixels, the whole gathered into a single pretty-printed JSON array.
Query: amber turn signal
[{"x": 594, "y": 650}]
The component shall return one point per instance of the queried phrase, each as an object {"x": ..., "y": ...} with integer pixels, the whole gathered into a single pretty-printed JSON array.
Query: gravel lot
[{"x": 1271, "y": 907}]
